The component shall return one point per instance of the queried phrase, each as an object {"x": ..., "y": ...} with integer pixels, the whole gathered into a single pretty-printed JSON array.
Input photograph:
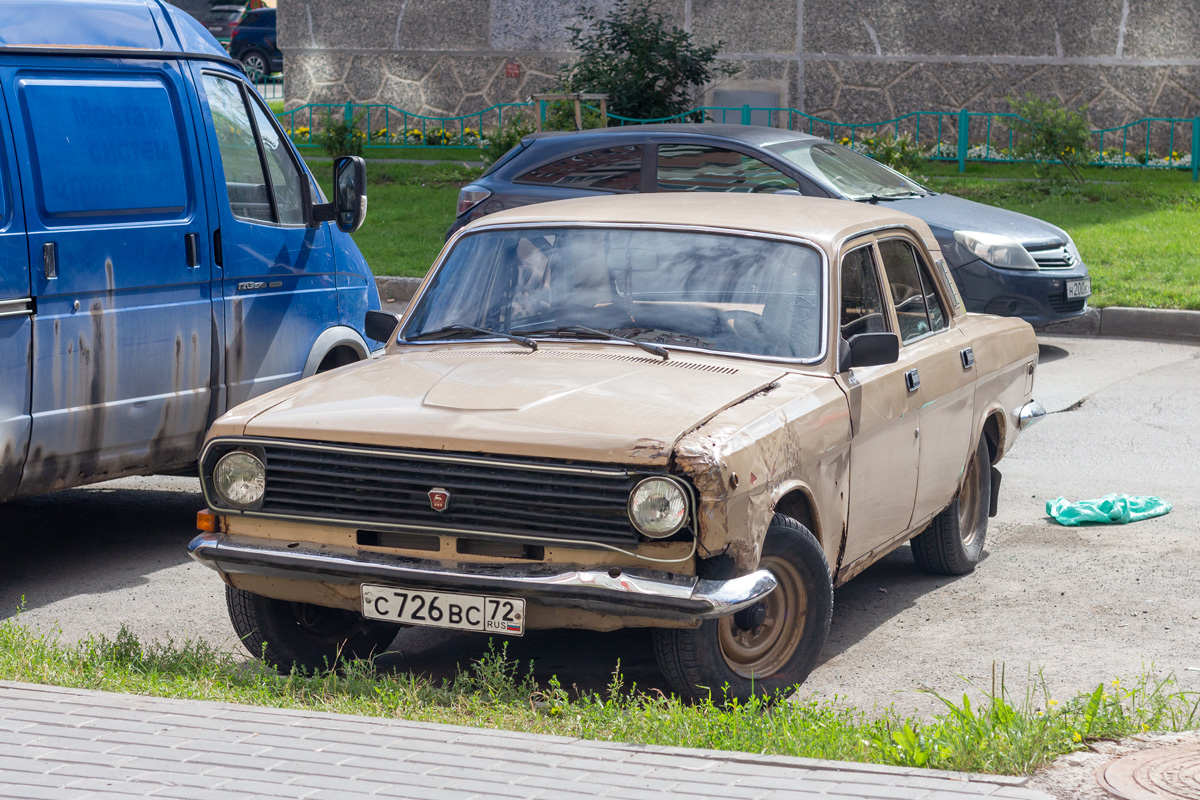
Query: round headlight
[
  {"x": 657, "y": 507},
  {"x": 240, "y": 479}
]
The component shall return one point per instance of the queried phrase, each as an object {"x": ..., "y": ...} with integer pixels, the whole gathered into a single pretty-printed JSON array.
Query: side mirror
[
  {"x": 868, "y": 350},
  {"x": 349, "y": 207},
  {"x": 381, "y": 326}
]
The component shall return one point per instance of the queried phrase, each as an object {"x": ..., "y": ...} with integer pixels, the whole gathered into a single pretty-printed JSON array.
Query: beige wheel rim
[
  {"x": 968, "y": 504},
  {"x": 764, "y": 651}
]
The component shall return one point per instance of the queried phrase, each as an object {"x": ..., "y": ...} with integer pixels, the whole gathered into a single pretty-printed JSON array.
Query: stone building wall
[{"x": 846, "y": 60}]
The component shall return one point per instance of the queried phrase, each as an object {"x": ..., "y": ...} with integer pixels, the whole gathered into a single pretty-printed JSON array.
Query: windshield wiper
[
  {"x": 661, "y": 352},
  {"x": 875, "y": 198},
  {"x": 451, "y": 330}
]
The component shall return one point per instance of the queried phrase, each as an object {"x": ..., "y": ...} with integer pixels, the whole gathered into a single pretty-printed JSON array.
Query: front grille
[
  {"x": 379, "y": 488},
  {"x": 1055, "y": 256},
  {"x": 1062, "y": 305}
]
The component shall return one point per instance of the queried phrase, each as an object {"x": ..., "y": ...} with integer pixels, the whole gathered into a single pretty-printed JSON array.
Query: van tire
[
  {"x": 953, "y": 542},
  {"x": 719, "y": 660},
  {"x": 311, "y": 638}
]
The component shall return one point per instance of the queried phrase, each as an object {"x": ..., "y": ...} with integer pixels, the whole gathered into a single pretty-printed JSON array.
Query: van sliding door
[
  {"x": 16, "y": 321},
  {"x": 120, "y": 267}
]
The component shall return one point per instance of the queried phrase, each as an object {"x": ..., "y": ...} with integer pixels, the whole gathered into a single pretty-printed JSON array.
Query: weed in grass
[{"x": 996, "y": 734}]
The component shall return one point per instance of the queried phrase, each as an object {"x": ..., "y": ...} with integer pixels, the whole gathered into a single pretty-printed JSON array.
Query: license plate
[
  {"x": 1080, "y": 288},
  {"x": 462, "y": 612}
]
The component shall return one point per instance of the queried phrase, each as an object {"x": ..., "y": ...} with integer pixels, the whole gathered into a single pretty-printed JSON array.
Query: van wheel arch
[{"x": 335, "y": 347}]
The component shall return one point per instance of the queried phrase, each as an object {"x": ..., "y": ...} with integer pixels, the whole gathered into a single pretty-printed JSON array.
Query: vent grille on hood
[{"x": 580, "y": 354}]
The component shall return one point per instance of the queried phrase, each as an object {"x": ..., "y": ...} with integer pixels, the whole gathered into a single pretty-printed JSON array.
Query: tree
[
  {"x": 647, "y": 68},
  {"x": 1050, "y": 134}
]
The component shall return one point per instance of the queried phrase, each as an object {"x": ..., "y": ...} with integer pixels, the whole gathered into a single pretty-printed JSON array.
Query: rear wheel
[
  {"x": 953, "y": 542},
  {"x": 256, "y": 63},
  {"x": 767, "y": 648},
  {"x": 313, "y": 638}
]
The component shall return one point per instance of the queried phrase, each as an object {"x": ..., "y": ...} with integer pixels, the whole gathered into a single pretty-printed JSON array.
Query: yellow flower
[
  {"x": 1053, "y": 702},
  {"x": 1116, "y": 684},
  {"x": 1077, "y": 738}
]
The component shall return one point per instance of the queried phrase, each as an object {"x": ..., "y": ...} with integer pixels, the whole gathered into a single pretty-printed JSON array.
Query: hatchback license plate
[
  {"x": 463, "y": 612},
  {"x": 1080, "y": 288}
]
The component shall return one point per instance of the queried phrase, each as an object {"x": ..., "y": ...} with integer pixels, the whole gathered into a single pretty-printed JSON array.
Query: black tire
[
  {"x": 256, "y": 62},
  {"x": 695, "y": 661},
  {"x": 953, "y": 542},
  {"x": 313, "y": 638}
]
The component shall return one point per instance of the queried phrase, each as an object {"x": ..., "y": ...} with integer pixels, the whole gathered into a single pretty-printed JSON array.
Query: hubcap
[
  {"x": 764, "y": 650},
  {"x": 255, "y": 66},
  {"x": 968, "y": 504}
]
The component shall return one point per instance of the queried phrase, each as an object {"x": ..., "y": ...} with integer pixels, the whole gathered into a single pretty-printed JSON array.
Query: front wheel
[
  {"x": 313, "y": 638},
  {"x": 767, "y": 648},
  {"x": 953, "y": 542}
]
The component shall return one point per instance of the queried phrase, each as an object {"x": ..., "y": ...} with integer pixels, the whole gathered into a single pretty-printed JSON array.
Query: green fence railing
[{"x": 960, "y": 136}]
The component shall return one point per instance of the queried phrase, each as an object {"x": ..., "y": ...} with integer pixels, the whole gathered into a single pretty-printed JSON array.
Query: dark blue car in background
[
  {"x": 164, "y": 252},
  {"x": 1003, "y": 262},
  {"x": 252, "y": 42}
]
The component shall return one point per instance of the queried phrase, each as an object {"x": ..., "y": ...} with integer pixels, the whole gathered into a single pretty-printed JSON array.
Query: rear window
[
  {"x": 105, "y": 147},
  {"x": 613, "y": 169}
]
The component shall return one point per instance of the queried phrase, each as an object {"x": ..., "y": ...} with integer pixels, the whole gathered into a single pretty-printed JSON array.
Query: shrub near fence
[{"x": 960, "y": 136}]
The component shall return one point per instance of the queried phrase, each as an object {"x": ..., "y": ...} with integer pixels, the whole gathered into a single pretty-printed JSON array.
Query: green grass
[
  {"x": 1134, "y": 227},
  {"x": 1000, "y": 734},
  {"x": 409, "y": 208}
]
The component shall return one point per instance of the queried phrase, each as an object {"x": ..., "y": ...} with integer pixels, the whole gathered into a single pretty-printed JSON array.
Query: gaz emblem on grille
[{"x": 439, "y": 499}]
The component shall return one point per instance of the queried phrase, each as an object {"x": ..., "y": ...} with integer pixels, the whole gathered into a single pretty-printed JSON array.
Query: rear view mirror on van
[{"x": 349, "y": 206}]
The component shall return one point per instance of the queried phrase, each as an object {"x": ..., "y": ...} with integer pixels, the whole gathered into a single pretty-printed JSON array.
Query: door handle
[
  {"x": 912, "y": 380},
  {"x": 50, "y": 260},
  {"x": 191, "y": 248},
  {"x": 967, "y": 355}
]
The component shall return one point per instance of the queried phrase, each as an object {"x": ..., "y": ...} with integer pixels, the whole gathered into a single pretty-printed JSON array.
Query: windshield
[
  {"x": 853, "y": 174},
  {"x": 714, "y": 291}
]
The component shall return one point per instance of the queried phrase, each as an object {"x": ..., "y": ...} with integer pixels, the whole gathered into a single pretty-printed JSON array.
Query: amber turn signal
[{"x": 206, "y": 521}]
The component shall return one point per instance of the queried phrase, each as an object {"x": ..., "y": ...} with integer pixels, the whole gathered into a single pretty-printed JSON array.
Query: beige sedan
[{"x": 696, "y": 413}]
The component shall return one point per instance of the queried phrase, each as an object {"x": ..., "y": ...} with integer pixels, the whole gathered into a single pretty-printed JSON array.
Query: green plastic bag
[{"x": 1112, "y": 509}]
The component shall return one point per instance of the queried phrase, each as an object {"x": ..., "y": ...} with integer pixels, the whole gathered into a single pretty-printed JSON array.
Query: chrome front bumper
[{"x": 622, "y": 592}]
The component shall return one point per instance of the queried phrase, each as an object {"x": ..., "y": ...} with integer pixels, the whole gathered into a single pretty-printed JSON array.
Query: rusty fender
[{"x": 794, "y": 436}]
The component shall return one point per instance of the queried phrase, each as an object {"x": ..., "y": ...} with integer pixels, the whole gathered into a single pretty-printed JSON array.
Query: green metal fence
[{"x": 958, "y": 136}]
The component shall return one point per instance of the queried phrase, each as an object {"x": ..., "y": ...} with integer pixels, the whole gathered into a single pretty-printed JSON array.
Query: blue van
[{"x": 164, "y": 252}]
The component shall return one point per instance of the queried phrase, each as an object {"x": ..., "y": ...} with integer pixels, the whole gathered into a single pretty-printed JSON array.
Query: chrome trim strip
[
  {"x": 1029, "y": 413},
  {"x": 634, "y": 592},
  {"x": 16, "y": 308},
  {"x": 823, "y": 311}
]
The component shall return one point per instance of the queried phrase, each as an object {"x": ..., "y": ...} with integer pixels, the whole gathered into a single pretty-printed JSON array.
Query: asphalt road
[{"x": 1081, "y": 605}]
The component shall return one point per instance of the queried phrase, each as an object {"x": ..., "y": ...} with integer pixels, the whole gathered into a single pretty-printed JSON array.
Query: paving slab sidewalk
[{"x": 75, "y": 743}]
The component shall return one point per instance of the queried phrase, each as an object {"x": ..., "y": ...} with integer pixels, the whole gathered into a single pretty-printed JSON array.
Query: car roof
[
  {"x": 126, "y": 24},
  {"x": 756, "y": 135},
  {"x": 823, "y": 221}
]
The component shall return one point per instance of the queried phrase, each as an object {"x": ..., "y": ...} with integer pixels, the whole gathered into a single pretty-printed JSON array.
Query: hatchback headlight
[
  {"x": 658, "y": 507},
  {"x": 997, "y": 250},
  {"x": 240, "y": 479}
]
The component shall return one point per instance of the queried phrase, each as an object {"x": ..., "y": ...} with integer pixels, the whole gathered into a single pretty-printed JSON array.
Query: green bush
[
  {"x": 647, "y": 68},
  {"x": 341, "y": 137},
  {"x": 500, "y": 141},
  {"x": 1052, "y": 135},
  {"x": 902, "y": 153}
]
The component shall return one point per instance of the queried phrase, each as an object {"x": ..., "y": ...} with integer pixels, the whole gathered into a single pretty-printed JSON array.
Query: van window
[
  {"x": 273, "y": 195},
  {"x": 105, "y": 147}
]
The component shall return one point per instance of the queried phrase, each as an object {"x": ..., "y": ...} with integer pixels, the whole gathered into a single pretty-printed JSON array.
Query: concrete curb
[
  {"x": 398, "y": 290},
  {"x": 1159, "y": 324}
]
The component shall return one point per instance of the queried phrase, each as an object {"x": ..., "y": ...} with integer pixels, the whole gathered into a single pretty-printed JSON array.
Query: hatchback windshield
[
  {"x": 851, "y": 173},
  {"x": 715, "y": 291}
]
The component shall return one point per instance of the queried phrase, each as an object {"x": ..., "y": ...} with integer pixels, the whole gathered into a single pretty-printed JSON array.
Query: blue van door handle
[
  {"x": 191, "y": 246},
  {"x": 50, "y": 260}
]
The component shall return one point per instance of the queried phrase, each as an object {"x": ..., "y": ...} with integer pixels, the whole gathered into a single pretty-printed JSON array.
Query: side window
[
  {"x": 862, "y": 304},
  {"x": 918, "y": 307},
  {"x": 262, "y": 180},
  {"x": 692, "y": 168},
  {"x": 104, "y": 148},
  {"x": 614, "y": 169}
]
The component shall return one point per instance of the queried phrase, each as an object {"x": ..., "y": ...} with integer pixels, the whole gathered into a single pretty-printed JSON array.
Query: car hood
[
  {"x": 587, "y": 402},
  {"x": 945, "y": 213}
]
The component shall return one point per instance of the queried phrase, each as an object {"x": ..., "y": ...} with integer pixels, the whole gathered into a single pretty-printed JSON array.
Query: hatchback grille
[
  {"x": 1055, "y": 256},
  {"x": 533, "y": 500}
]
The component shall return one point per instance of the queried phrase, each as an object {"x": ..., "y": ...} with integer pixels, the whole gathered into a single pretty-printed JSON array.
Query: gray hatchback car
[{"x": 1004, "y": 263}]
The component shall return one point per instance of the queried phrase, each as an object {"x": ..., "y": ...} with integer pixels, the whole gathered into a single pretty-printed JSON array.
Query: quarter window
[
  {"x": 919, "y": 310},
  {"x": 699, "y": 168},
  {"x": 614, "y": 169},
  {"x": 261, "y": 178},
  {"x": 862, "y": 304}
]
